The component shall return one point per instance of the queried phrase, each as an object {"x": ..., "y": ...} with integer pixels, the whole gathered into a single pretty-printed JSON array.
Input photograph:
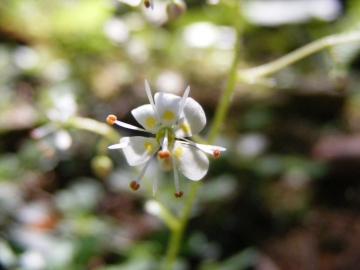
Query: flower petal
[
  {"x": 139, "y": 150},
  {"x": 167, "y": 107},
  {"x": 192, "y": 120},
  {"x": 192, "y": 162},
  {"x": 146, "y": 117}
]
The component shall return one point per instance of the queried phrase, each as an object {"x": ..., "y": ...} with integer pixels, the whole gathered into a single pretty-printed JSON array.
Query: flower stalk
[
  {"x": 250, "y": 75},
  {"x": 220, "y": 114}
]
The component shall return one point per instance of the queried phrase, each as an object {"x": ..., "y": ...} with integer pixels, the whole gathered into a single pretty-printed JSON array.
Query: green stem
[
  {"x": 94, "y": 126},
  {"x": 248, "y": 75},
  {"x": 232, "y": 79},
  {"x": 177, "y": 233}
]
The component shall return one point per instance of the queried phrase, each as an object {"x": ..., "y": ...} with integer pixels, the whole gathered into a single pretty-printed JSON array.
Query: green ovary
[{"x": 161, "y": 134}]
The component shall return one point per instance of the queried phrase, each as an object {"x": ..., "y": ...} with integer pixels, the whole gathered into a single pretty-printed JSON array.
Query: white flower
[
  {"x": 171, "y": 119},
  {"x": 64, "y": 106}
]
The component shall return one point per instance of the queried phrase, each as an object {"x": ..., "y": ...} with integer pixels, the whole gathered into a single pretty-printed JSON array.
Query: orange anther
[
  {"x": 111, "y": 119},
  {"x": 216, "y": 153},
  {"x": 134, "y": 185},
  {"x": 163, "y": 154},
  {"x": 147, "y": 3},
  {"x": 179, "y": 195}
]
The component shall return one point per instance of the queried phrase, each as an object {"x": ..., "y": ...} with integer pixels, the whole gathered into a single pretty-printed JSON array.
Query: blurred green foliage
[{"x": 64, "y": 199}]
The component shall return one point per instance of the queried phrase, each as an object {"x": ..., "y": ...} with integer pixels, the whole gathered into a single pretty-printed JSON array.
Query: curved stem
[
  {"x": 232, "y": 79},
  {"x": 177, "y": 233},
  {"x": 95, "y": 127},
  {"x": 274, "y": 66}
]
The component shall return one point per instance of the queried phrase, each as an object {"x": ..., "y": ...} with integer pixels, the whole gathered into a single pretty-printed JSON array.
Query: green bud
[{"x": 101, "y": 166}]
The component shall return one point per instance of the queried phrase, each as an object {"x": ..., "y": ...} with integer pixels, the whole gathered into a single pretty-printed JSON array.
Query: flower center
[{"x": 161, "y": 134}]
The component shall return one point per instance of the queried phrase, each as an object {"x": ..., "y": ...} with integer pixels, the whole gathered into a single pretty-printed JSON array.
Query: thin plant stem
[
  {"x": 224, "y": 103},
  {"x": 95, "y": 127},
  {"x": 177, "y": 234},
  {"x": 248, "y": 75}
]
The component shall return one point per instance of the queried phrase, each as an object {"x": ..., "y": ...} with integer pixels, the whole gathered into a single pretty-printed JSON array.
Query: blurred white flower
[
  {"x": 171, "y": 119},
  {"x": 64, "y": 106},
  {"x": 278, "y": 12}
]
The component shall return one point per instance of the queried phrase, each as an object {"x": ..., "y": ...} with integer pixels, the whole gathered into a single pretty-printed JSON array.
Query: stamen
[
  {"x": 178, "y": 193},
  {"x": 216, "y": 153},
  {"x": 165, "y": 141},
  {"x": 128, "y": 126},
  {"x": 119, "y": 145},
  {"x": 147, "y": 3},
  {"x": 148, "y": 93},
  {"x": 134, "y": 185},
  {"x": 182, "y": 102},
  {"x": 111, "y": 119},
  {"x": 164, "y": 144},
  {"x": 210, "y": 149}
]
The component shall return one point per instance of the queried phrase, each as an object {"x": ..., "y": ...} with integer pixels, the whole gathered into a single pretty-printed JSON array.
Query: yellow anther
[
  {"x": 148, "y": 146},
  {"x": 168, "y": 115},
  {"x": 150, "y": 121},
  {"x": 185, "y": 127},
  {"x": 178, "y": 152}
]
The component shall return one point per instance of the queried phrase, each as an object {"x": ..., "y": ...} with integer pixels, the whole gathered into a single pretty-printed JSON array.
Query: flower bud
[
  {"x": 174, "y": 9},
  {"x": 101, "y": 166}
]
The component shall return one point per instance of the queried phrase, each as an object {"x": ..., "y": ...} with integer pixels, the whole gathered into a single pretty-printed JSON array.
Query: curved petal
[
  {"x": 192, "y": 162},
  {"x": 167, "y": 107},
  {"x": 146, "y": 117},
  {"x": 192, "y": 119},
  {"x": 139, "y": 150}
]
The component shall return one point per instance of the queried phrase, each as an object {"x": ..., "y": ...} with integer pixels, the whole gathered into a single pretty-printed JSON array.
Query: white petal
[
  {"x": 139, "y": 150},
  {"x": 148, "y": 90},
  {"x": 192, "y": 120},
  {"x": 167, "y": 107},
  {"x": 183, "y": 101},
  {"x": 62, "y": 139},
  {"x": 192, "y": 162},
  {"x": 146, "y": 117}
]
